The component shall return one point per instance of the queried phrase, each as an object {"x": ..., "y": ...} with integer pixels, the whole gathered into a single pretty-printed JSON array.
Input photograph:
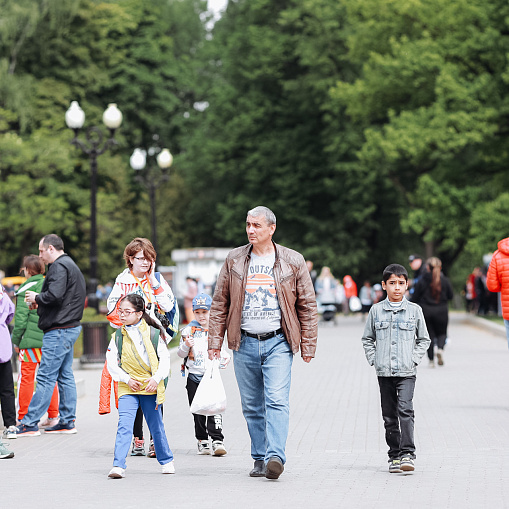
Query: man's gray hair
[{"x": 270, "y": 217}]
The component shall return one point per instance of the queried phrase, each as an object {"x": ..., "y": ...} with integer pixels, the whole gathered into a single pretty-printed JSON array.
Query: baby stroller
[{"x": 328, "y": 311}]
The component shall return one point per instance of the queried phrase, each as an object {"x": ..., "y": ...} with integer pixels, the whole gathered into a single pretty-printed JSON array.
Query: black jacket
[
  {"x": 422, "y": 291},
  {"x": 62, "y": 296}
]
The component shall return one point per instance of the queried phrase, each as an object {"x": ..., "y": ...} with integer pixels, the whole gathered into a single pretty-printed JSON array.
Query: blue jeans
[
  {"x": 127, "y": 408},
  {"x": 263, "y": 372},
  {"x": 56, "y": 366}
]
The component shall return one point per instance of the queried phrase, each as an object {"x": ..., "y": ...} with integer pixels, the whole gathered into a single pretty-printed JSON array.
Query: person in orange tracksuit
[{"x": 27, "y": 338}]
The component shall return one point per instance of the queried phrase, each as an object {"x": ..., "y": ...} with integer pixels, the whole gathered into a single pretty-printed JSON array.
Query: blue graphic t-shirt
[{"x": 261, "y": 312}]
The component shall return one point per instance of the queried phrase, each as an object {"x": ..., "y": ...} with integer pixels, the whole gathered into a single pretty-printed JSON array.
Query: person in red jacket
[{"x": 498, "y": 278}]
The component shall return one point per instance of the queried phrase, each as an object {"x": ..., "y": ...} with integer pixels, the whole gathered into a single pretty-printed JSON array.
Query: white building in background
[{"x": 199, "y": 262}]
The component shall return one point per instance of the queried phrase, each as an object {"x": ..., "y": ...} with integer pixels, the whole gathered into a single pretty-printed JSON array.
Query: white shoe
[
  {"x": 117, "y": 473},
  {"x": 218, "y": 448},
  {"x": 10, "y": 432},
  {"x": 168, "y": 468},
  {"x": 49, "y": 423},
  {"x": 204, "y": 447}
]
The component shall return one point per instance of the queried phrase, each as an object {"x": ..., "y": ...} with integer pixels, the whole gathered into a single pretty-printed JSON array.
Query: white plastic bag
[
  {"x": 355, "y": 304},
  {"x": 210, "y": 398}
]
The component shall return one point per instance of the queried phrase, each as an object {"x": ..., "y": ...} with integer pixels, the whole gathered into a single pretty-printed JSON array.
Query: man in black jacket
[{"x": 60, "y": 308}]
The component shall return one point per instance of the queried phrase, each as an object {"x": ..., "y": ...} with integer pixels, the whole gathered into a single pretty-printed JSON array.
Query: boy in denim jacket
[{"x": 395, "y": 339}]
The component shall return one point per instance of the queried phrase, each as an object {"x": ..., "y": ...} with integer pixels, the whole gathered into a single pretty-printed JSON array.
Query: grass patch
[{"x": 493, "y": 318}]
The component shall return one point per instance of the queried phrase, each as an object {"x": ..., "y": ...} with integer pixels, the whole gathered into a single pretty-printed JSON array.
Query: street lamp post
[
  {"x": 152, "y": 178},
  {"x": 94, "y": 147}
]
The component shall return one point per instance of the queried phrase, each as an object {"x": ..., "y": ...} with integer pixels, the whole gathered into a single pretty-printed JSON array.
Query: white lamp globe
[
  {"x": 164, "y": 159},
  {"x": 75, "y": 116},
  {"x": 139, "y": 159},
  {"x": 112, "y": 117}
]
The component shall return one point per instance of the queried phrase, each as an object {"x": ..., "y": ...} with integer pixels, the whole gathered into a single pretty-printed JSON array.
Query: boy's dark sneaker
[
  {"x": 274, "y": 468},
  {"x": 27, "y": 431},
  {"x": 64, "y": 428},
  {"x": 395, "y": 466},
  {"x": 407, "y": 464}
]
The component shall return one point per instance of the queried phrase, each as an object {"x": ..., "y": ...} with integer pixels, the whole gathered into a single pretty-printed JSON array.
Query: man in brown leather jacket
[{"x": 265, "y": 302}]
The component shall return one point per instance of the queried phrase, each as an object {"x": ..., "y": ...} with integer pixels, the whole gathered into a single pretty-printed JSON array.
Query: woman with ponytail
[
  {"x": 138, "y": 359},
  {"x": 432, "y": 293}
]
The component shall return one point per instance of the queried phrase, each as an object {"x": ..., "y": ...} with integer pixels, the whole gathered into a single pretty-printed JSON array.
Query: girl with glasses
[{"x": 140, "y": 368}]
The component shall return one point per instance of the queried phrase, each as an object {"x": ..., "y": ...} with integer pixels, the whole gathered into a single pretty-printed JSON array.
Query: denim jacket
[{"x": 395, "y": 338}]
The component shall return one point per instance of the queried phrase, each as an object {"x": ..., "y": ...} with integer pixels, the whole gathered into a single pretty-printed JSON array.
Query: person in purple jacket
[{"x": 6, "y": 380}]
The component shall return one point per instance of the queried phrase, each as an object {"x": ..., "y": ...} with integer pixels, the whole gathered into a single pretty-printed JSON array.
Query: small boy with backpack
[{"x": 193, "y": 349}]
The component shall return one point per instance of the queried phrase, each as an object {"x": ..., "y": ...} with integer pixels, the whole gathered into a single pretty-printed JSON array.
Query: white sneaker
[
  {"x": 117, "y": 473},
  {"x": 48, "y": 423},
  {"x": 203, "y": 447},
  {"x": 168, "y": 468},
  {"x": 10, "y": 432},
  {"x": 218, "y": 448}
]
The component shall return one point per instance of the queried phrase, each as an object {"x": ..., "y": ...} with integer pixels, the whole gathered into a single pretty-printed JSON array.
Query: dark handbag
[{"x": 165, "y": 322}]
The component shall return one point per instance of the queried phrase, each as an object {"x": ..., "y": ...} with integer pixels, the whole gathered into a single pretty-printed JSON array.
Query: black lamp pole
[
  {"x": 93, "y": 148},
  {"x": 151, "y": 180}
]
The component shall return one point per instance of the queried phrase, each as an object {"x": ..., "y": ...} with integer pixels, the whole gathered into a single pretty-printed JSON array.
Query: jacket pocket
[
  {"x": 407, "y": 330},
  {"x": 382, "y": 330}
]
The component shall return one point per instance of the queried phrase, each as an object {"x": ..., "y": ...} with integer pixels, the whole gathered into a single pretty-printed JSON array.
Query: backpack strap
[
  {"x": 118, "y": 343},
  {"x": 154, "y": 337},
  {"x": 172, "y": 315}
]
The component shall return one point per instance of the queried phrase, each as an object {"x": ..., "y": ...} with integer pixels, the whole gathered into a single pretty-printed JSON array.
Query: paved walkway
[{"x": 336, "y": 449}]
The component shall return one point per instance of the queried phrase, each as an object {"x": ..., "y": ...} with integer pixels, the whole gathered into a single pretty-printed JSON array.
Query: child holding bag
[
  {"x": 138, "y": 359},
  {"x": 193, "y": 348}
]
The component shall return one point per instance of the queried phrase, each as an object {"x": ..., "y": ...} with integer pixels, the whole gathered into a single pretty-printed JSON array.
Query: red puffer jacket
[{"x": 498, "y": 275}]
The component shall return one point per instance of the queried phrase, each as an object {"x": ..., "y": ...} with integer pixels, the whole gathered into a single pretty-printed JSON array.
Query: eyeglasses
[
  {"x": 125, "y": 312},
  {"x": 141, "y": 259}
]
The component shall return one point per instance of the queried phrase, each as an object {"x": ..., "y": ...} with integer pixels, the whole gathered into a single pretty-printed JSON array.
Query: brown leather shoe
[{"x": 274, "y": 468}]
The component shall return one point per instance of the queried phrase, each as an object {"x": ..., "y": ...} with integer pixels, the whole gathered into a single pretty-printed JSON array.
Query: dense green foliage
[{"x": 371, "y": 128}]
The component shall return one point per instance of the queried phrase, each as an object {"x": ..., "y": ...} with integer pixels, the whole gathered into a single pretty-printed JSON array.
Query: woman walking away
[
  {"x": 138, "y": 359},
  {"x": 432, "y": 292}
]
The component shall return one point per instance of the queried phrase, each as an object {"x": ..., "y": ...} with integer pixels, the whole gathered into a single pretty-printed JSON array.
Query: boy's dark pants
[
  {"x": 396, "y": 394},
  {"x": 213, "y": 424}
]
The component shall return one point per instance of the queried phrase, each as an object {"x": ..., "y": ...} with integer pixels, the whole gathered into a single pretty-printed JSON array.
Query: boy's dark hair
[{"x": 394, "y": 269}]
